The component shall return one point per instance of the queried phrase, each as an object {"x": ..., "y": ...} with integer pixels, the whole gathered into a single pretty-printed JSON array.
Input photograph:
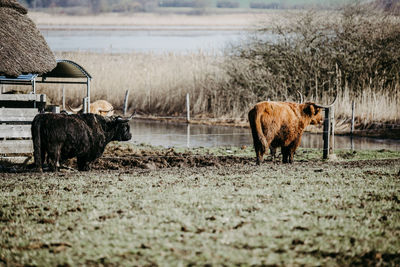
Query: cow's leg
[
  {"x": 268, "y": 138},
  {"x": 259, "y": 148},
  {"x": 272, "y": 152},
  {"x": 259, "y": 154},
  {"x": 44, "y": 156},
  {"x": 292, "y": 149},
  {"x": 285, "y": 154},
  {"x": 53, "y": 156},
  {"x": 83, "y": 164},
  {"x": 52, "y": 160}
]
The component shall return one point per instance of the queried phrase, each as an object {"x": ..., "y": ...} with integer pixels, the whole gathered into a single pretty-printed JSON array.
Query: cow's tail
[
  {"x": 259, "y": 139},
  {"x": 37, "y": 146}
]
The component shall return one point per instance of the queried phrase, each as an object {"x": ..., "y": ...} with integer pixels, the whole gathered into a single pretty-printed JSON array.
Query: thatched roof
[{"x": 22, "y": 47}]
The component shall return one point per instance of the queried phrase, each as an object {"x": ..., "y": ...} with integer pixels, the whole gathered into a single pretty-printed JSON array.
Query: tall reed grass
[
  {"x": 355, "y": 56},
  {"x": 158, "y": 84}
]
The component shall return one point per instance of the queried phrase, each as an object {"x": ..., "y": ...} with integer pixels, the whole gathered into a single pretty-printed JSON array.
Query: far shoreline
[{"x": 242, "y": 20}]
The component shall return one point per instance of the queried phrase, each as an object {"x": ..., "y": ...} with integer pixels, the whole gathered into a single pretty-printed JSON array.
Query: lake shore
[
  {"x": 244, "y": 20},
  {"x": 377, "y": 130}
]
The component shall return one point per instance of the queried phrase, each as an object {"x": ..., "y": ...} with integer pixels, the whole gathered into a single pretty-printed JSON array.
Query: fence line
[
  {"x": 235, "y": 134},
  {"x": 244, "y": 134},
  {"x": 396, "y": 126}
]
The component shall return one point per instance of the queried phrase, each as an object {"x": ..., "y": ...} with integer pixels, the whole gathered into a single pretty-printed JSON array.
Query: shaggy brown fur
[
  {"x": 101, "y": 107},
  {"x": 281, "y": 124}
]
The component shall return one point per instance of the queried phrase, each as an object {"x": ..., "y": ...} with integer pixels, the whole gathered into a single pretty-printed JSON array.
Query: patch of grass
[
  {"x": 302, "y": 154},
  {"x": 309, "y": 213}
]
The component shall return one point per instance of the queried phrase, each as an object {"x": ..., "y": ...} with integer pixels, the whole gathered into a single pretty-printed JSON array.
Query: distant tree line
[{"x": 97, "y": 6}]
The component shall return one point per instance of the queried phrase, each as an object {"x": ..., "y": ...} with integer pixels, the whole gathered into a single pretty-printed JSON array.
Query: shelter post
[
  {"x": 88, "y": 96},
  {"x": 84, "y": 102},
  {"x": 63, "y": 98}
]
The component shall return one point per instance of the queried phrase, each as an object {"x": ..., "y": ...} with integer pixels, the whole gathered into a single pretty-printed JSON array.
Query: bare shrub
[{"x": 358, "y": 52}]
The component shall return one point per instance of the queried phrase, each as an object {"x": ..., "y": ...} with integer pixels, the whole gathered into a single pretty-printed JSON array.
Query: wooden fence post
[
  {"x": 353, "y": 106},
  {"x": 187, "y": 108},
  {"x": 188, "y": 135},
  {"x": 126, "y": 101},
  {"x": 332, "y": 131},
  {"x": 326, "y": 134}
]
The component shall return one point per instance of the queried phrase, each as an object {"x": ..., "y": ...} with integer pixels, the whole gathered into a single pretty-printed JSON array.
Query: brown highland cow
[
  {"x": 281, "y": 124},
  {"x": 101, "y": 107}
]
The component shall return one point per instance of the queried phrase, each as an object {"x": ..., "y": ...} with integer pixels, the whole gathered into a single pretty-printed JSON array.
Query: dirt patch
[
  {"x": 125, "y": 158},
  {"x": 158, "y": 159}
]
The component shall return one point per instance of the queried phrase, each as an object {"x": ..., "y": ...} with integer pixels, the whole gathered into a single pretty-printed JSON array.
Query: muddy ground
[{"x": 129, "y": 157}]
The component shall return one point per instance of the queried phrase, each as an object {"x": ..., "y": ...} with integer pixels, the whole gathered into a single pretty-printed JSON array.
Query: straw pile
[{"x": 22, "y": 47}]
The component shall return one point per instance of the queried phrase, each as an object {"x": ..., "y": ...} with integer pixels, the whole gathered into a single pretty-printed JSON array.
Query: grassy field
[{"x": 311, "y": 213}]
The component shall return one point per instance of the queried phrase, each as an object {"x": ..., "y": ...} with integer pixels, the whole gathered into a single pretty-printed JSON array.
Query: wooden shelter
[
  {"x": 26, "y": 59},
  {"x": 18, "y": 110}
]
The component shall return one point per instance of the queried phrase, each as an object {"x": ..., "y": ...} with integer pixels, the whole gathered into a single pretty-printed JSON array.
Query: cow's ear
[
  {"x": 316, "y": 109},
  {"x": 309, "y": 109}
]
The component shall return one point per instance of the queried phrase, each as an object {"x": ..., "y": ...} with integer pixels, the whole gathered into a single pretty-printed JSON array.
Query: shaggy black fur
[{"x": 85, "y": 136}]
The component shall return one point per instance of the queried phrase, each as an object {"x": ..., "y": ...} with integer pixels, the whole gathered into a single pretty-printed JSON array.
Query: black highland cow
[{"x": 85, "y": 136}]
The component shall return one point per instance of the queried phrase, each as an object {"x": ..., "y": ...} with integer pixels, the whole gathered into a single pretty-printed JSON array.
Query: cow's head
[
  {"x": 314, "y": 112},
  {"x": 120, "y": 128}
]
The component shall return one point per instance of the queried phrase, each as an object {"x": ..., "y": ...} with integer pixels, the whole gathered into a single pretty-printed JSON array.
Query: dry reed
[
  {"x": 225, "y": 86},
  {"x": 146, "y": 19},
  {"x": 158, "y": 84}
]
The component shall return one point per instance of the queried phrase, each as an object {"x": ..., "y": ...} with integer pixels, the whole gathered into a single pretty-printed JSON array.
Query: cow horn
[
  {"x": 76, "y": 110},
  {"x": 119, "y": 119},
  {"x": 133, "y": 115},
  {"x": 328, "y": 106},
  {"x": 301, "y": 96}
]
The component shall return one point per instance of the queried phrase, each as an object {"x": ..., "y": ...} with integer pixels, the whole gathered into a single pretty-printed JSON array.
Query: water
[
  {"x": 168, "y": 134},
  {"x": 159, "y": 39},
  {"x": 127, "y": 39}
]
